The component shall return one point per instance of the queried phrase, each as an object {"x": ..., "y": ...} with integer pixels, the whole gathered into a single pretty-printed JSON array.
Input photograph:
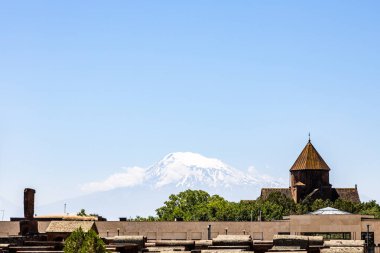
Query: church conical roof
[{"x": 309, "y": 159}]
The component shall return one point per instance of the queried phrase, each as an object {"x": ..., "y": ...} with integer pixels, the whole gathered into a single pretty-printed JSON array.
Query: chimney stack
[
  {"x": 28, "y": 226},
  {"x": 29, "y": 203}
]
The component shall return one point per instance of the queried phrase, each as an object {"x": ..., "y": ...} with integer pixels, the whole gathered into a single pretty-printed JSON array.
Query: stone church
[{"x": 309, "y": 180}]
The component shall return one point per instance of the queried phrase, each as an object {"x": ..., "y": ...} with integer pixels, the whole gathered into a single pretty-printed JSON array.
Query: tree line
[{"x": 198, "y": 205}]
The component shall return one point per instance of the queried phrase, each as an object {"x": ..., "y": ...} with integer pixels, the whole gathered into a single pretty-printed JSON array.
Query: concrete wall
[
  {"x": 192, "y": 230},
  {"x": 297, "y": 224},
  {"x": 8, "y": 228},
  {"x": 12, "y": 228},
  {"x": 327, "y": 223},
  {"x": 374, "y": 226}
]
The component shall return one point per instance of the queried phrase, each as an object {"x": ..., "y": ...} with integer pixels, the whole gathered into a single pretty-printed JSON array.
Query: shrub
[{"x": 82, "y": 242}]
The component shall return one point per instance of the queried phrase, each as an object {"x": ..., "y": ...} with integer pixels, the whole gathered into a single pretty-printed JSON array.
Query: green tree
[
  {"x": 370, "y": 208},
  {"x": 198, "y": 205},
  {"x": 190, "y": 205},
  {"x": 74, "y": 243},
  {"x": 140, "y": 218},
  {"x": 320, "y": 203},
  {"x": 346, "y": 206},
  {"x": 276, "y": 206},
  {"x": 93, "y": 243},
  {"x": 82, "y": 212},
  {"x": 82, "y": 242},
  {"x": 248, "y": 210},
  {"x": 301, "y": 209},
  {"x": 218, "y": 209}
]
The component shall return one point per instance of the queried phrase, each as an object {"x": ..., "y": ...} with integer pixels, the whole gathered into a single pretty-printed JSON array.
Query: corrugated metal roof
[
  {"x": 328, "y": 210},
  {"x": 309, "y": 159}
]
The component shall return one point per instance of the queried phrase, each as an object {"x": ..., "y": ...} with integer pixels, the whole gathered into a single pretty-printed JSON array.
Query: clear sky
[{"x": 88, "y": 87}]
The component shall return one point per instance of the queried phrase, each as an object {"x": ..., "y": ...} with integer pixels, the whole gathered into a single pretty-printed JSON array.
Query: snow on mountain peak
[
  {"x": 184, "y": 170},
  {"x": 188, "y": 169},
  {"x": 190, "y": 159}
]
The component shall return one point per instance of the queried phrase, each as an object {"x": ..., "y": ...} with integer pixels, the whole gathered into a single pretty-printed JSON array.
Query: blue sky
[{"x": 87, "y": 87}]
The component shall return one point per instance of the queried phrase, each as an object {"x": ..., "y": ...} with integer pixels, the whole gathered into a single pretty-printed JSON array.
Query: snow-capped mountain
[
  {"x": 186, "y": 169},
  {"x": 140, "y": 191}
]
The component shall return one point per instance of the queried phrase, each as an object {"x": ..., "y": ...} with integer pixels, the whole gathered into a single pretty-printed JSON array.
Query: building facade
[{"x": 331, "y": 226}]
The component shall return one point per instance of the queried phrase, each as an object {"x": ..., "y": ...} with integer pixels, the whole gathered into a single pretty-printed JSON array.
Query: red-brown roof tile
[{"x": 309, "y": 159}]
